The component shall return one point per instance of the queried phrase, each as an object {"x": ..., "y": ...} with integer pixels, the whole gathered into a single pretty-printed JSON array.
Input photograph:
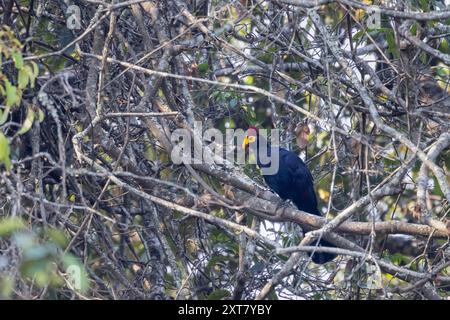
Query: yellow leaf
[
  {"x": 28, "y": 122},
  {"x": 382, "y": 97},
  {"x": 324, "y": 194},
  {"x": 248, "y": 80}
]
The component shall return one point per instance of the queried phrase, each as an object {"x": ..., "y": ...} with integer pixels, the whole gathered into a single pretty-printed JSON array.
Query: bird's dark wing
[
  {"x": 296, "y": 182},
  {"x": 281, "y": 181}
]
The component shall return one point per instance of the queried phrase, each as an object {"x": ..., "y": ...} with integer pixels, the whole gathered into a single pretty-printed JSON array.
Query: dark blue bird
[{"x": 292, "y": 181}]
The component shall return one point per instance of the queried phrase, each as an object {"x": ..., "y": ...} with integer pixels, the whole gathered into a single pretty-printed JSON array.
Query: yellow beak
[{"x": 245, "y": 143}]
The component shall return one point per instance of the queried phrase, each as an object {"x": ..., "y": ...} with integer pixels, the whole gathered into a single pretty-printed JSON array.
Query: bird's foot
[{"x": 283, "y": 205}]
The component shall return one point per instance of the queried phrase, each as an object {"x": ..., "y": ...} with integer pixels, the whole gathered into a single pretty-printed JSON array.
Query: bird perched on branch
[{"x": 291, "y": 180}]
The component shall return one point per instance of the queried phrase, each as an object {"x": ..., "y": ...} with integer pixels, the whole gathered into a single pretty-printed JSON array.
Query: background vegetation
[{"x": 92, "y": 207}]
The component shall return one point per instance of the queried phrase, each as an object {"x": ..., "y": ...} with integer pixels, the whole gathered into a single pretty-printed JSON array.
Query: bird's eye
[{"x": 251, "y": 139}]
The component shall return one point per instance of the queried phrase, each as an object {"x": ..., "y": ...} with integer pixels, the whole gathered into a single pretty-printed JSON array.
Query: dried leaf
[{"x": 302, "y": 131}]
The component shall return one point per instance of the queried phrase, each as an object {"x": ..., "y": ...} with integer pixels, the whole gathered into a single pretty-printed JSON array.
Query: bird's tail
[{"x": 323, "y": 257}]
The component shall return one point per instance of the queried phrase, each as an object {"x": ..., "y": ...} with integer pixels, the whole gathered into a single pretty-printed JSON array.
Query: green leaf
[
  {"x": 35, "y": 69},
  {"x": 42, "y": 270},
  {"x": 12, "y": 98},
  {"x": 203, "y": 67},
  {"x": 218, "y": 294},
  {"x": 23, "y": 78},
  {"x": 32, "y": 73},
  {"x": 6, "y": 287},
  {"x": 215, "y": 260},
  {"x": 392, "y": 46},
  {"x": 358, "y": 35},
  {"x": 10, "y": 225},
  {"x": 4, "y": 152},
  {"x": 41, "y": 115},
  {"x": 18, "y": 59},
  {"x": 58, "y": 237},
  {"x": 424, "y": 4},
  {"x": 444, "y": 46},
  {"x": 150, "y": 153},
  {"x": 28, "y": 122},
  {"x": 4, "y": 115},
  {"x": 413, "y": 29}
]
